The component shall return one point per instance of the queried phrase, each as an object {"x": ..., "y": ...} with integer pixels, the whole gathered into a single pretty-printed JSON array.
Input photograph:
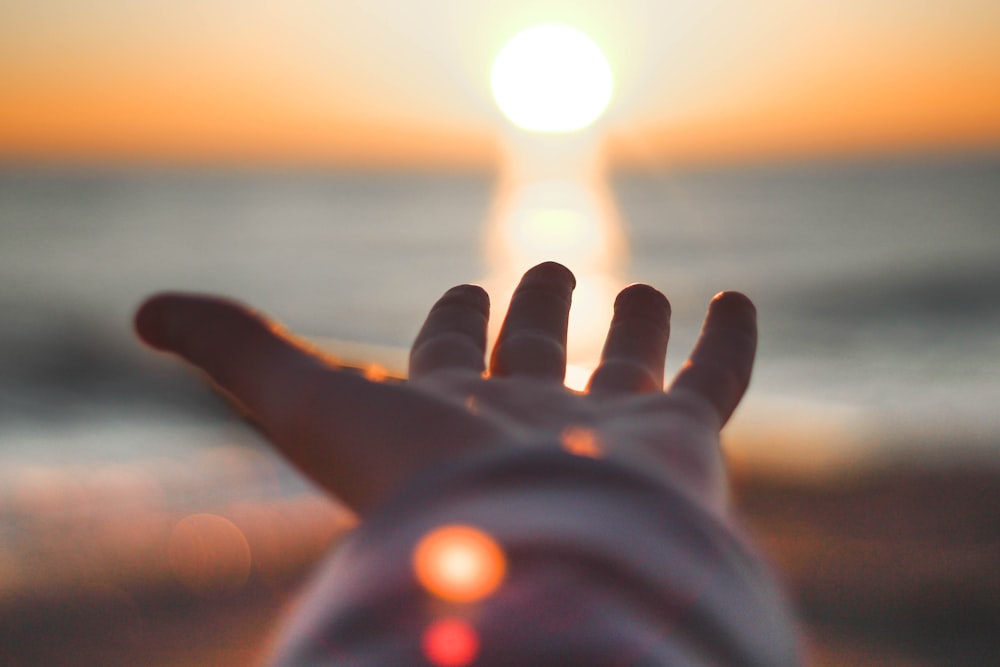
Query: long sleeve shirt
[{"x": 584, "y": 562}]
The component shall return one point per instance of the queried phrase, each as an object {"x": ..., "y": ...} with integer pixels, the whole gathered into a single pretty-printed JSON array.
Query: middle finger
[{"x": 532, "y": 339}]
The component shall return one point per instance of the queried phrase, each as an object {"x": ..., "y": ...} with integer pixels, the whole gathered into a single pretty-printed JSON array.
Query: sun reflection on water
[{"x": 571, "y": 219}]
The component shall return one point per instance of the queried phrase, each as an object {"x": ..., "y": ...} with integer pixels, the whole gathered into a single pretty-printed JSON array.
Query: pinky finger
[{"x": 718, "y": 370}]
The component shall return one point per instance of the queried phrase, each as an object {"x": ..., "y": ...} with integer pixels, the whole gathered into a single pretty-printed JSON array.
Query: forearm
[{"x": 602, "y": 565}]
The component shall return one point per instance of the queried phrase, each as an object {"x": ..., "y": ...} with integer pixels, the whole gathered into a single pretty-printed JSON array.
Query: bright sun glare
[{"x": 551, "y": 78}]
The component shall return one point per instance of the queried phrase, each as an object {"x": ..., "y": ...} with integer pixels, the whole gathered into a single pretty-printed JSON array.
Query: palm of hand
[
  {"x": 673, "y": 435},
  {"x": 362, "y": 439}
]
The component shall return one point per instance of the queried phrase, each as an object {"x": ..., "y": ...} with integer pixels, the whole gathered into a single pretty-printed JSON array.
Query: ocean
[{"x": 877, "y": 284}]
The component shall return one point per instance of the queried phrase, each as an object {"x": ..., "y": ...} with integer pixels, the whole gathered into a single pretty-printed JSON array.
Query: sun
[{"x": 551, "y": 78}]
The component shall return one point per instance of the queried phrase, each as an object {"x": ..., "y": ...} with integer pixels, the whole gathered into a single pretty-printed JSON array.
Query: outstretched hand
[{"x": 362, "y": 439}]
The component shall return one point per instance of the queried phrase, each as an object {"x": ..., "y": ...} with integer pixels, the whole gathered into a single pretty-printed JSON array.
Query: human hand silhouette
[{"x": 361, "y": 439}]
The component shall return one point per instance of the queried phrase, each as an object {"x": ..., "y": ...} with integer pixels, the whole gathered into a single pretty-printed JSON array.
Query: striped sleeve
[{"x": 541, "y": 558}]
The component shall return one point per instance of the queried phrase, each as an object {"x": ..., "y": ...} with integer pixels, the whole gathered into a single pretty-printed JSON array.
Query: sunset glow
[{"x": 409, "y": 83}]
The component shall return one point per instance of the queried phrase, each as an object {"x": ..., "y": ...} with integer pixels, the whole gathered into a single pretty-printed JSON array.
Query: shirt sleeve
[{"x": 591, "y": 563}]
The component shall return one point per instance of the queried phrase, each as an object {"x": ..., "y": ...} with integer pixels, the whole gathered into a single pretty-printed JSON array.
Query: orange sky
[{"x": 392, "y": 82}]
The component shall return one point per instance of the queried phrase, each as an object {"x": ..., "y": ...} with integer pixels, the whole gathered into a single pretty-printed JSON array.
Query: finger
[
  {"x": 636, "y": 348},
  {"x": 242, "y": 352},
  {"x": 718, "y": 370},
  {"x": 454, "y": 334},
  {"x": 316, "y": 415},
  {"x": 532, "y": 339}
]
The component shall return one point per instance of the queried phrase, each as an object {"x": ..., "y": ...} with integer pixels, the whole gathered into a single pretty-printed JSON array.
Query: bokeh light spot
[
  {"x": 450, "y": 642},
  {"x": 459, "y": 563},
  {"x": 376, "y": 373},
  {"x": 581, "y": 441},
  {"x": 209, "y": 555}
]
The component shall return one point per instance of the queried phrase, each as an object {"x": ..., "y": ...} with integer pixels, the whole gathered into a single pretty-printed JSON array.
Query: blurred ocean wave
[{"x": 876, "y": 281}]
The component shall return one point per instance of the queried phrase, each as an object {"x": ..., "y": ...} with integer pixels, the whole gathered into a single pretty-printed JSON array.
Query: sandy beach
[{"x": 887, "y": 565}]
